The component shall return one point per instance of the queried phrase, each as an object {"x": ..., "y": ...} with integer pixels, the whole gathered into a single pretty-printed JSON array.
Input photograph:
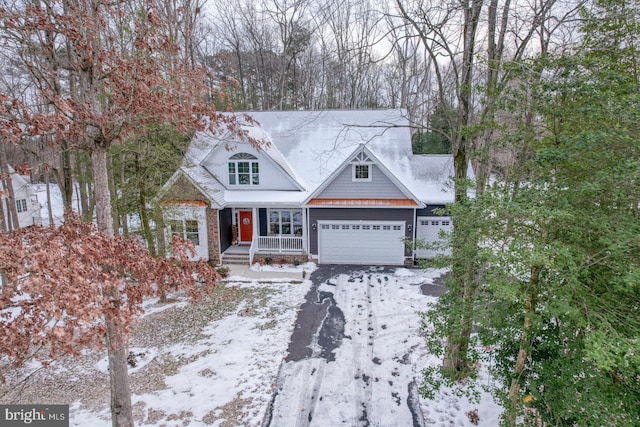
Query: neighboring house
[
  {"x": 333, "y": 186},
  {"x": 26, "y": 200}
]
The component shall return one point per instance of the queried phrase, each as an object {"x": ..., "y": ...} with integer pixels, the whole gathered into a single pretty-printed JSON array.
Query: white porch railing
[{"x": 291, "y": 244}]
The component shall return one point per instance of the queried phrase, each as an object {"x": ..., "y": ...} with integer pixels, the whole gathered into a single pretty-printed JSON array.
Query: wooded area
[{"x": 540, "y": 98}]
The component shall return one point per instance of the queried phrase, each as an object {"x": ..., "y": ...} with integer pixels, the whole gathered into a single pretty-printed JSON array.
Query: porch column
[
  {"x": 255, "y": 214},
  {"x": 305, "y": 231}
]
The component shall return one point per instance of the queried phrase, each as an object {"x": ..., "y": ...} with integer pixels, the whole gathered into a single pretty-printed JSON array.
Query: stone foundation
[{"x": 213, "y": 236}]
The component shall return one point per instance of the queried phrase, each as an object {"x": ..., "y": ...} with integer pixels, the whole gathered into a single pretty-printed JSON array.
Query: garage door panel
[
  {"x": 361, "y": 243},
  {"x": 428, "y": 229}
]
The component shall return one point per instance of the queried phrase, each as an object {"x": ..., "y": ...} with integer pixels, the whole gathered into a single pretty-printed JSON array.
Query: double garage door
[
  {"x": 428, "y": 229},
  {"x": 361, "y": 242}
]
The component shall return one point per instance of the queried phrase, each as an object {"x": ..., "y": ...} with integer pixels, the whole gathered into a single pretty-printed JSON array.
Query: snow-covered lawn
[{"x": 218, "y": 362}]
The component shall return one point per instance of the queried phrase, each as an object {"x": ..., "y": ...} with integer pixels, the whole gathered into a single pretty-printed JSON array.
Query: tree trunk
[
  {"x": 124, "y": 223},
  {"x": 144, "y": 213},
  {"x": 81, "y": 175},
  {"x": 116, "y": 202},
  {"x": 121, "y": 408},
  {"x": 65, "y": 179},
  {"x": 3, "y": 217},
  {"x": 48, "y": 187},
  {"x": 162, "y": 244},
  {"x": 525, "y": 343},
  {"x": 464, "y": 248}
]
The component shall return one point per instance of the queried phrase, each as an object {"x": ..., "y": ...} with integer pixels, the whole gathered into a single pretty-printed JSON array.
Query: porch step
[{"x": 235, "y": 259}]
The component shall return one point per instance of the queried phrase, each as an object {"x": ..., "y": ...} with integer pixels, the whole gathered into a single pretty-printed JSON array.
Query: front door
[{"x": 246, "y": 226}]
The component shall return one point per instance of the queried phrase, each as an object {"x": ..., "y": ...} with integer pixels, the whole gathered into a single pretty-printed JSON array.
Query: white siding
[
  {"x": 198, "y": 213},
  {"x": 24, "y": 191},
  {"x": 272, "y": 177}
]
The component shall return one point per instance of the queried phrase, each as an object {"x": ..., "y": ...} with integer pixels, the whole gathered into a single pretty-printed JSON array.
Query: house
[
  {"x": 331, "y": 186},
  {"x": 26, "y": 200}
]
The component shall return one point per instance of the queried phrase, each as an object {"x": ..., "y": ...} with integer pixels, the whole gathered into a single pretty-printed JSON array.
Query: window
[
  {"x": 191, "y": 231},
  {"x": 21, "y": 205},
  {"x": 361, "y": 173},
  {"x": 361, "y": 167},
  {"x": 288, "y": 222},
  {"x": 185, "y": 229},
  {"x": 244, "y": 169}
]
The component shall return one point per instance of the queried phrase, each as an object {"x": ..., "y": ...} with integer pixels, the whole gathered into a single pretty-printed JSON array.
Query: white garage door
[
  {"x": 428, "y": 229},
  {"x": 361, "y": 242}
]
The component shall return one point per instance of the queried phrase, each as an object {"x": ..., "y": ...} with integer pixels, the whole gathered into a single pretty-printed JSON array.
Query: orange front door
[{"x": 246, "y": 226}]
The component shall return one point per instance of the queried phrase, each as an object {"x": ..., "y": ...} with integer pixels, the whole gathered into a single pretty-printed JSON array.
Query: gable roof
[
  {"x": 312, "y": 199},
  {"x": 318, "y": 142},
  {"x": 201, "y": 180},
  {"x": 206, "y": 145},
  {"x": 309, "y": 146}
]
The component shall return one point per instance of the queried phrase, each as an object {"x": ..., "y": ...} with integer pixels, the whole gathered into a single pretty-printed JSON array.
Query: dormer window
[
  {"x": 361, "y": 168},
  {"x": 244, "y": 169}
]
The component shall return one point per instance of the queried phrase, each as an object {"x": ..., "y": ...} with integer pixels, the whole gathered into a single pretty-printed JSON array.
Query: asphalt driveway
[{"x": 350, "y": 359}]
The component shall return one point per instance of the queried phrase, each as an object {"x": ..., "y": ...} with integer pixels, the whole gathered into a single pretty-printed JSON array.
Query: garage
[
  {"x": 361, "y": 242},
  {"x": 428, "y": 229}
]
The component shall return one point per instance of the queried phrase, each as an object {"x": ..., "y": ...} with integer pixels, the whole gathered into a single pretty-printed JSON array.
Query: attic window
[
  {"x": 361, "y": 172},
  {"x": 244, "y": 169},
  {"x": 361, "y": 168}
]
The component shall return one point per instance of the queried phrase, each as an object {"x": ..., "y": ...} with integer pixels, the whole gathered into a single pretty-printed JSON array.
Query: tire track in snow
[{"x": 357, "y": 370}]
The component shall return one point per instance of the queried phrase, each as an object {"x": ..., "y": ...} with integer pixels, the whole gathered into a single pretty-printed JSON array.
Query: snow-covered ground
[
  {"x": 197, "y": 368},
  {"x": 374, "y": 375}
]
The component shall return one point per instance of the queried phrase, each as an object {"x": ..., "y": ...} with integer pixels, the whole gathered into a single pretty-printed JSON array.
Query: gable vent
[{"x": 361, "y": 158}]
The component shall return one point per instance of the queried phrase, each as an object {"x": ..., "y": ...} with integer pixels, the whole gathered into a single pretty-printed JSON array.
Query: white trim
[
  {"x": 402, "y": 229},
  {"x": 369, "y": 172},
  {"x": 429, "y": 253},
  {"x": 235, "y": 220},
  {"x": 236, "y": 171}
]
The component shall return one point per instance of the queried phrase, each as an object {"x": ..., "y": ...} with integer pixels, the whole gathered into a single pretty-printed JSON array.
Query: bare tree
[
  {"x": 510, "y": 27},
  {"x": 127, "y": 74}
]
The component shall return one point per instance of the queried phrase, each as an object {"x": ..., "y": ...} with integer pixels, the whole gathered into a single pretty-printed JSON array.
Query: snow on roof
[
  {"x": 315, "y": 143},
  {"x": 310, "y": 145},
  {"x": 206, "y": 183}
]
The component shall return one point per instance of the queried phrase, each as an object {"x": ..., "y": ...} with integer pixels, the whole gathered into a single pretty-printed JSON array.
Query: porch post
[
  {"x": 255, "y": 214},
  {"x": 305, "y": 231}
]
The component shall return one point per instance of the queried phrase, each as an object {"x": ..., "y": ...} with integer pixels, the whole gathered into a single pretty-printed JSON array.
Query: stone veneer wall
[{"x": 213, "y": 237}]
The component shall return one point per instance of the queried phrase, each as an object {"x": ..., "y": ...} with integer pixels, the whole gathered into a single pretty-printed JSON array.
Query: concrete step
[{"x": 235, "y": 259}]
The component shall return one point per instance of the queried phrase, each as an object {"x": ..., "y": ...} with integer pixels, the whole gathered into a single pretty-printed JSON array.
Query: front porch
[{"x": 275, "y": 248}]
